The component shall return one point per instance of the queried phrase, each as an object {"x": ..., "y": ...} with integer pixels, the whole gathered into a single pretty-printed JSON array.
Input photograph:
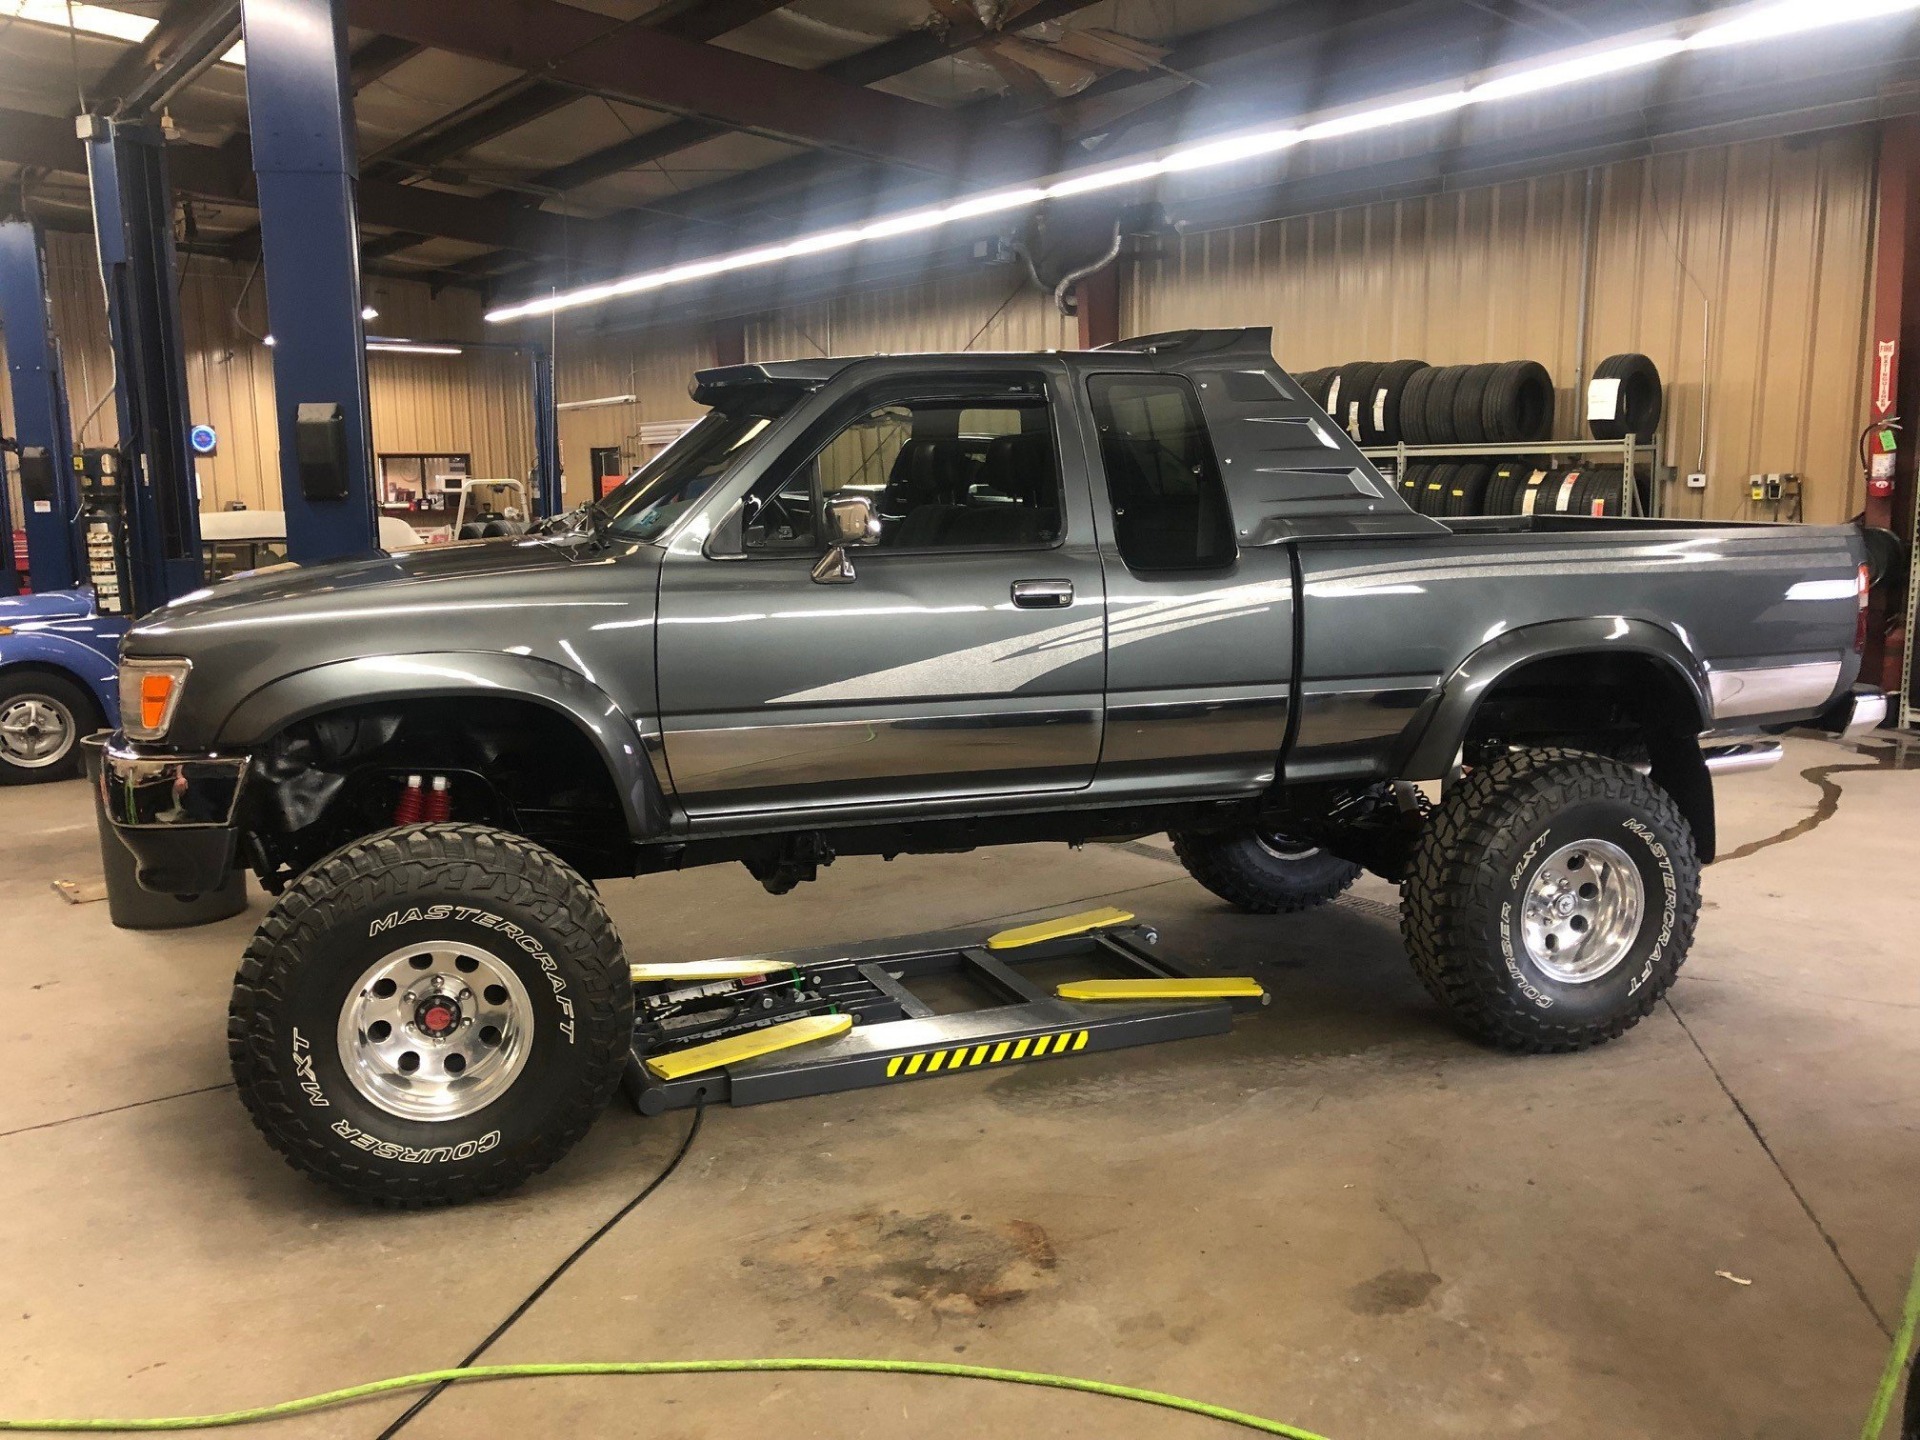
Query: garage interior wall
[
  {"x": 478, "y": 403},
  {"x": 1743, "y": 270},
  {"x": 995, "y": 307},
  {"x": 1758, "y": 254}
]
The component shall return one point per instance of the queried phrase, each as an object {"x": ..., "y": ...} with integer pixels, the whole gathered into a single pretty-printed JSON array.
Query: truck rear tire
[
  {"x": 430, "y": 1015},
  {"x": 1552, "y": 900},
  {"x": 1264, "y": 874}
]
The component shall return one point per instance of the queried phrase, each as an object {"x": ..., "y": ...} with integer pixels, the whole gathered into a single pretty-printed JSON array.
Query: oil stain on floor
[{"x": 912, "y": 1266}]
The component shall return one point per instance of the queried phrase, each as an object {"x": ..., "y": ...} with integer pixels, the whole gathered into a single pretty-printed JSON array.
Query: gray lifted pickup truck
[{"x": 921, "y": 604}]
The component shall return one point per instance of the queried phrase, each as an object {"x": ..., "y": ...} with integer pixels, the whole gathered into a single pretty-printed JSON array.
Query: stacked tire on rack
[{"x": 1501, "y": 402}]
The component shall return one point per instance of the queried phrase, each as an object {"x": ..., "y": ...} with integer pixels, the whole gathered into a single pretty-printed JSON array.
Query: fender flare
[
  {"x": 373, "y": 679},
  {"x": 1441, "y": 726}
]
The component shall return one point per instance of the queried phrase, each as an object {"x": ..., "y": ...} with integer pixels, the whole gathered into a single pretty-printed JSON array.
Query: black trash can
[{"x": 132, "y": 908}]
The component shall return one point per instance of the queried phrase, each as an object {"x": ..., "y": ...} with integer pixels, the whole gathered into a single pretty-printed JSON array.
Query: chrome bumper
[
  {"x": 1741, "y": 755},
  {"x": 147, "y": 792},
  {"x": 1862, "y": 711},
  {"x": 176, "y": 814}
]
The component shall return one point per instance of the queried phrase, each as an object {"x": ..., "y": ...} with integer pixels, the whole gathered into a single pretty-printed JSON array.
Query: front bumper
[{"x": 176, "y": 813}]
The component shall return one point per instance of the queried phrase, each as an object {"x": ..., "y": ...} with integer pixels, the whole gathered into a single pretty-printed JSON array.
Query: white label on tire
[
  {"x": 1333, "y": 397},
  {"x": 1380, "y": 410},
  {"x": 1566, "y": 491},
  {"x": 413, "y": 1154},
  {"x": 1603, "y": 400},
  {"x": 303, "y": 1072},
  {"x": 1669, "y": 900}
]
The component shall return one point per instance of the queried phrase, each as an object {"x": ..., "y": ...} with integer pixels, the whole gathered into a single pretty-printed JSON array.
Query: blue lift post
[
  {"x": 51, "y": 500},
  {"x": 546, "y": 435},
  {"x": 305, "y": 161},
  {"x": 133, "y": 228}
]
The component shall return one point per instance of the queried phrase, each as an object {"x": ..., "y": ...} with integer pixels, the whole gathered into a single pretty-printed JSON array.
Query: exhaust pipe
[{"x": 1743, "y": 755}]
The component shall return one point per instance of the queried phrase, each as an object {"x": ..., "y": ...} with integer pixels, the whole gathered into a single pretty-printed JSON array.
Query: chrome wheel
[
  {"x": 1282, "y": 847},
  {"x": 1582, "y": 911},
  {"x": 35, "y": 731},
  {"x": 436, "y": 1033}
]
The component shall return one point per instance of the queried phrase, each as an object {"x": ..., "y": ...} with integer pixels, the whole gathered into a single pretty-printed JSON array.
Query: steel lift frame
[
  {"x": 885, "y": 1033},
  {"x": 45, "y": 436}
]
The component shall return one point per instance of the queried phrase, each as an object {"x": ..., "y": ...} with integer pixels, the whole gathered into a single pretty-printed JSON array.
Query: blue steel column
[
  {"x": 133, "y": 228},
  {"x": 305, "y": 161},
  {"x": 39, "y": 407},
  {"x": 546, "y": 436}
]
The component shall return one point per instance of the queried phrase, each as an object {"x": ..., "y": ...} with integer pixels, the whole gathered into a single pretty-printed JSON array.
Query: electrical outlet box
[
  {"x": 1757, "y": 488},
  {"x": 1776, "y": 487},
  {"x": 1697, "y": 480}
]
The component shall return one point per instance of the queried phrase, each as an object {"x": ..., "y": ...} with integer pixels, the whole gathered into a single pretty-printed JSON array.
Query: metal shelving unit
[{"x": 1630, "y": 451}]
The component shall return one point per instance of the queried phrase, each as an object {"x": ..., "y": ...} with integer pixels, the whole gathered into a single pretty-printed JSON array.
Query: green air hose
[
  {"x": 1896, "y": 1360},
  {"x": 332, "y": 1398}
]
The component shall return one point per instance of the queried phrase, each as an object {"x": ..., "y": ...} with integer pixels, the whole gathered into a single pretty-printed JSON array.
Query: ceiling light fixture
[
  {"x": 407, "y": 347},
  {"x": 367, "y": 312},
  {"x": 1754, "y": 23}
]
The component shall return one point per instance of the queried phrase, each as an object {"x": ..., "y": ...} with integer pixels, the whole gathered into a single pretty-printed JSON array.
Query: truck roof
[{"x": 1253, "y": 344}]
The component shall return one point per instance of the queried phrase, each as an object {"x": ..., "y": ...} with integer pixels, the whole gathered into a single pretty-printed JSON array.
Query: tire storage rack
[{"x": 1469, "y": 440}]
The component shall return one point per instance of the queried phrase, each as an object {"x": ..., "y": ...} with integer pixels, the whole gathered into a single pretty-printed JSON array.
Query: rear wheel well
[
  {"x": 328, "y": 779},
  {"x": 1632, "y": 706}
]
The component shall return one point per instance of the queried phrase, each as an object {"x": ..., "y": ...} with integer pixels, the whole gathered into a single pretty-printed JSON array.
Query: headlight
[{"x": 149, "y": 694}]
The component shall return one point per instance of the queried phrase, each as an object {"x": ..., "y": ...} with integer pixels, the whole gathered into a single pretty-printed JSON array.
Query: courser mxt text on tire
[
  {"x": 430, "y": 1015},
  {"x": 1264, "y": 874},
  {"x": 1552, "y": 900}
]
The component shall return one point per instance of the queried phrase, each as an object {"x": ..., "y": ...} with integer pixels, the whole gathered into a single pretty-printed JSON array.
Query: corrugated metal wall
[
  {"x": 1743, "y": 271},
  {"x": 993, "y": 308},
  {"x": 479, "y": 402},
  {"x": 654, "y": 367},
  {"x": 1757, "y": 254}
]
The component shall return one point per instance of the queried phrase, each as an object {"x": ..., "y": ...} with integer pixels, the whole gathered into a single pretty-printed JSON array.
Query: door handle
[{"x": 1043, "y": 594}]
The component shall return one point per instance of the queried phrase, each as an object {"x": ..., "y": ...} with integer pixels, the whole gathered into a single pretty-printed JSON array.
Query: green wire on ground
[
  {"x": 1896, "y": 1359},
  {"x": 311, "y": 1403}
]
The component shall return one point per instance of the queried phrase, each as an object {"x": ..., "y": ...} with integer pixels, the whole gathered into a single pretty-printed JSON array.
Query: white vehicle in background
[{"x": 233, "y": 541}]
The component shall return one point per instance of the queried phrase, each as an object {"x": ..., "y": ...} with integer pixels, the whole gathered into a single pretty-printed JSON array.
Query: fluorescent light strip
[
  {"x": 97, "y": 20},
  {"x": 1756, "y": 23},
  {"x": 405, "y": 347}
]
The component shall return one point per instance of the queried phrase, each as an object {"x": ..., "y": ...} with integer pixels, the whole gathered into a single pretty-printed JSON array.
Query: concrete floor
[{"x": 1343, "y": 1216}]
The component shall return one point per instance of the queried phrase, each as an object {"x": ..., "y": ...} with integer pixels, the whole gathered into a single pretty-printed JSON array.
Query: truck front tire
[
  {"x": 430, "y": 1015},
  {"x": 1552, "y": 900},
  {"x": 1264, "y": 874}
]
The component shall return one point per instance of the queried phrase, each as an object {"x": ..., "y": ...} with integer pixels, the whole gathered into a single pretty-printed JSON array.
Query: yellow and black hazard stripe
[{"x": 990, "y": 1052}]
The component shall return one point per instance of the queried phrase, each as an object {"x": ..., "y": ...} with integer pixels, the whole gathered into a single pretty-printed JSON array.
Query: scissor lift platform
[{"x": 827, "y": 1021}]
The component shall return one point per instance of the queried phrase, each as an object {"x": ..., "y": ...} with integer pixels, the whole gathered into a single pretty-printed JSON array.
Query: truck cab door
[{"x": 961, "y": 656}]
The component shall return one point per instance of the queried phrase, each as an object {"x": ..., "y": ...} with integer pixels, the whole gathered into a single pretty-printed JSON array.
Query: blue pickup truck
[{"x": 58, "y": 681}]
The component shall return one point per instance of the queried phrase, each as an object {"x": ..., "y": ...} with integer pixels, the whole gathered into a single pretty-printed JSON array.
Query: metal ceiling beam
[
  {"x": 375, "y": 58},
  {"x": 829, "y": 187},
  {"x": 134, "y": 64},
  {"x": 225, "y": 173},
  {"x": 518, "y": 104},
  {"x": 662, "y": 71},
  {"x": 187, "y": 54},
  {"x": 878, "y": 62}
]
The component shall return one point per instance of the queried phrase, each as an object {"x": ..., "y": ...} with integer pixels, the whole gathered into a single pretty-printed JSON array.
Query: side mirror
[{"x": 850, "y": 520}]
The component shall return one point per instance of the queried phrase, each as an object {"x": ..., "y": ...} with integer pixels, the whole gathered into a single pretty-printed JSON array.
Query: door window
[
  {"x": 950, "y": 472},
  {"x": 1169, "y": 507}
]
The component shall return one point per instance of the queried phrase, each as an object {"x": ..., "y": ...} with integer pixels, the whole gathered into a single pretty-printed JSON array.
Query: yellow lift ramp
[{"x": 774, "y": 1027}]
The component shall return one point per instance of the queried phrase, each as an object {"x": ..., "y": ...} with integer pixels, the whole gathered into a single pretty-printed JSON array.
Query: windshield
[{"x": 663, "y": 489}]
